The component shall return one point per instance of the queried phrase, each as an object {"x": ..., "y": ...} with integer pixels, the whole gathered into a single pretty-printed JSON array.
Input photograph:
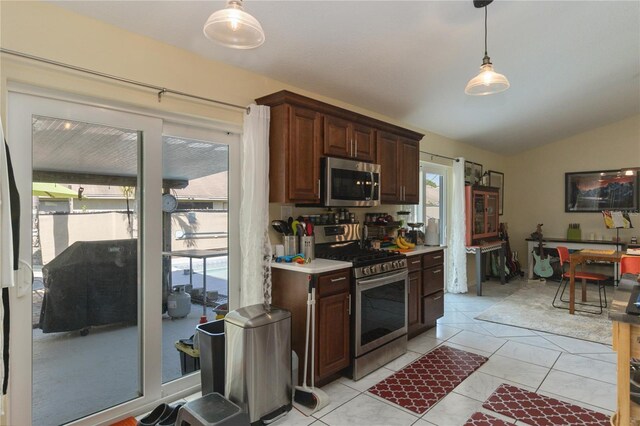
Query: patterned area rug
[
  {"x": 482, "y": 419},
  {"x": 530, "y": 307},
  {"x": 535, "y": 409},
  {"x": 424, "y": 382}
]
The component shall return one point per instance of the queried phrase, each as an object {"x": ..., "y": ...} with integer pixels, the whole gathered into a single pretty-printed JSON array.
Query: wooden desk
[
  {"x": 580, "y": 257},
  {"x": 550, "y": 242}
]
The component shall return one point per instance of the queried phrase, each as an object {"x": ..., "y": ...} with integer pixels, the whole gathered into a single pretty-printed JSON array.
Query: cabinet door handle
[
  {"x": 355, "y": 150},
  {"x": 437, "y": 271},
  {"x": 415, "y": 262},
  {"x": 351, "y": 148},
  {"x": 437, "y": 298},
  {"x": 318, "y": 187},
  {"x": 437, "y": 257},
  {"x": 349, "y": 306},
  {"x": 335, "y": 280}
]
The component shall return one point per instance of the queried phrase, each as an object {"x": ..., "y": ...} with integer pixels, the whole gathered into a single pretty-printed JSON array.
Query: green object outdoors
[{"x": 52, "y": 190}]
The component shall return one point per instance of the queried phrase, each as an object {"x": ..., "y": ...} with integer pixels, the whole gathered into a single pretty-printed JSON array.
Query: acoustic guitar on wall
[{"x": 542, "y": 267}]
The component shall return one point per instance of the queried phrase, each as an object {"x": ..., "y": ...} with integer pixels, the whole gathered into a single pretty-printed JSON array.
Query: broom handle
[
  {"x": 306, "y": 342},
  {"x": 313, "y": 333}
]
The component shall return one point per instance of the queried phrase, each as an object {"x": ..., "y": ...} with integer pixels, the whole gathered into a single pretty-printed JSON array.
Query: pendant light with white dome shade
[
  {"x": 233, "y": 27},
  {"x": 488, "y": 81}
]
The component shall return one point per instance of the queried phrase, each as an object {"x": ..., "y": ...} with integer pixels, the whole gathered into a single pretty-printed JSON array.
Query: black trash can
[{"x": 212, "y": 356}]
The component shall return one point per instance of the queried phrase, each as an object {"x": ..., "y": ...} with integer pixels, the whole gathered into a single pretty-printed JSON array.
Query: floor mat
[
  {"x": 535, "y": 409},
  {"x": 482, "y": 419},
  {"x": 421, "y": 384}
]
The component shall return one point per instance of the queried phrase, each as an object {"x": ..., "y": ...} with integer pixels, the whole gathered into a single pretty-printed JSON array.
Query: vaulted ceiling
[{"x": 573, "y": 65}]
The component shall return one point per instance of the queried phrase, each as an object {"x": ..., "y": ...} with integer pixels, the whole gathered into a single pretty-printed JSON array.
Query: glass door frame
[{"x": 23, "y": 102}]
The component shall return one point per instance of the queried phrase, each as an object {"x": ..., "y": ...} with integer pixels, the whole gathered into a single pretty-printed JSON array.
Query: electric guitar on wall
[{"x": 542, "y": 267}]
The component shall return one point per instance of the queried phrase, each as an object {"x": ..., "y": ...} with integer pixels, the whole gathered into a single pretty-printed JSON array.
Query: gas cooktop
[{"x": 351, "y": 252}]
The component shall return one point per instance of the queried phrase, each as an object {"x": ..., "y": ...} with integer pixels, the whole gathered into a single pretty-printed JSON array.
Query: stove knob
[
  {"x": 394, "y": 264},
  {"x": 366, "y": 270},
  {"x": 384, "y": 267}
]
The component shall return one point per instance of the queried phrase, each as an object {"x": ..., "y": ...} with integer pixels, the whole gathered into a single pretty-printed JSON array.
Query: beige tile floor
[{"x": 576, "y": 371}]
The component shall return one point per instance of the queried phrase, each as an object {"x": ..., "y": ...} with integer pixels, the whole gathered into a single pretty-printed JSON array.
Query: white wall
[{"x": 534, "y": 186}]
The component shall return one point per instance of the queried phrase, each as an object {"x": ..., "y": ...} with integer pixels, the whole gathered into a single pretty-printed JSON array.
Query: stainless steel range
[{"x": 379, "y": 297}]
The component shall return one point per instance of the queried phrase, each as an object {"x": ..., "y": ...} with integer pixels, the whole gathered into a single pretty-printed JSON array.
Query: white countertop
[
  {"x": 423, "y": 250},
  {"x": 317, "y": 266}
]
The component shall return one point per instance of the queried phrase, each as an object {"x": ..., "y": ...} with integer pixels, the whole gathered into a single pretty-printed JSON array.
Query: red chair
[
  {"x": 630, "y": 264},
  {"x": 563, "y": 252}
]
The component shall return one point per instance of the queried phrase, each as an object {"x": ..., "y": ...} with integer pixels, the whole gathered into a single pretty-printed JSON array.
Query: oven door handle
[{"x": 387, "y": 278}]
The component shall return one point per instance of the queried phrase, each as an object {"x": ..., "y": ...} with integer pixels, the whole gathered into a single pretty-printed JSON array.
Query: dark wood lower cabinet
[
  {"x": 426, "y": 291},
  {"x": 433, "y": 308},
  {"x": 414, "y": 321},
  {"x": 332, "y": 333}
]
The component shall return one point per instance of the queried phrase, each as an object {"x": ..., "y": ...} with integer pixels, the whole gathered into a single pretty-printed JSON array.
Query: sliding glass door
[{"x": 93, "y": 336}]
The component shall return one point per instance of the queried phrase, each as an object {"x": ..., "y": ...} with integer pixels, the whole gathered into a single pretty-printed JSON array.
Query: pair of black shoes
[{"x": 162, "y": 415}]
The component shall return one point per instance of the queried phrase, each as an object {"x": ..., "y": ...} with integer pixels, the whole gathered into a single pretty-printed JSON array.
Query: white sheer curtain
[
  {"x": 255, "y": 284},
  {"x": 457, "y": 274}
]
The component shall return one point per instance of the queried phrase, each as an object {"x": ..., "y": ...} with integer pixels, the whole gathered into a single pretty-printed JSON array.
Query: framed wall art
[
  {"x": 472, "y": 172},
  {"x": 601, "y": 190},
  {"x": 496, "y": 180}
]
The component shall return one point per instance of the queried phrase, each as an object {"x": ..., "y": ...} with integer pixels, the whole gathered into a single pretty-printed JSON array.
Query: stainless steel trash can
[{"x": 258, "y": 361}]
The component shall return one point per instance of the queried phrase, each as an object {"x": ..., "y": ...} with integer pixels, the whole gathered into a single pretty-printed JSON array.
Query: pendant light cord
[{"x": 485, "y": 31}]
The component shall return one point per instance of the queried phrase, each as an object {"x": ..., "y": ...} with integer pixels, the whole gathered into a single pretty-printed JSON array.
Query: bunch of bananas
[{"x": 404, "y": 244}]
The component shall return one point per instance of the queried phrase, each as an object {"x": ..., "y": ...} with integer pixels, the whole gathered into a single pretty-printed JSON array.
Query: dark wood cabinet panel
[
  {"x": 332, "y": 332},
  {"x": 303, "y": 130},
  {"x": 337, "y": 137},
  {"x": 334, "y": 282},
  {"x": 409, "y": 171},
  {"x": 433, "y": 259},
  {"x": 433, "y": 279},
  {"x": 387, "y": 157},
  {"x": 333, "y": 335},
  {"x": 345, "y": 139},
  {"x": 414, "y": 263},
  {"x": 432, "y": 308},
  {"x": 414, "y": 320},
  {"x": 481, "y": 213},
  {"x": 364, "y": 142},
  {"x": 304, "y": 164},
  {"x": 399, "y": 159},
  {"x": 426, "y": 282}
]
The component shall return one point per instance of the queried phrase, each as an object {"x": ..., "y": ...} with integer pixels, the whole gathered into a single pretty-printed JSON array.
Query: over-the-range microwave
[{"x": 350, "y": 183}]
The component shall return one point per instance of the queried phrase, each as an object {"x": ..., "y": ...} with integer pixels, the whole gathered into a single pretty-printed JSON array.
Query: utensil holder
[
  {"x": 290, "y": 244},
  {"x": 307, "y": 246}
]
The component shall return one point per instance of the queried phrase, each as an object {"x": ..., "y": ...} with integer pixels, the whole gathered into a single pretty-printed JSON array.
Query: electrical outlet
[{"x": 286, "y": 212}]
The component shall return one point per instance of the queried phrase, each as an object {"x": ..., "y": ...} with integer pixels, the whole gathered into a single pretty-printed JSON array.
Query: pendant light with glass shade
[
  {"x": 488, "y": 81},
  {"x": 233, "y": 27}
]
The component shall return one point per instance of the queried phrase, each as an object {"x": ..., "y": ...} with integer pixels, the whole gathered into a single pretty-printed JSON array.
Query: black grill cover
[{"x": 90, "y": 283}]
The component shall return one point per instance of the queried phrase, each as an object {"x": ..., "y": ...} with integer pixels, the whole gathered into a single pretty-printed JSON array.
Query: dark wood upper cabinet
[
  {"x": 304, "y": 169},
  {"x": 337, "y": 137},
  {"x": 387, "y": 157},
  {"x": 400, "y": 169},
  {"x": 364, "y": 142},
  {"x": 304, "y": 130},
  {"x": 409, "y": 171},
  {"x": 343, "y": 138}
]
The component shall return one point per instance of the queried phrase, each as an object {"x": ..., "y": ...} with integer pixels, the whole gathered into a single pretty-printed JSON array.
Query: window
[{"x": 433, "y": 198}]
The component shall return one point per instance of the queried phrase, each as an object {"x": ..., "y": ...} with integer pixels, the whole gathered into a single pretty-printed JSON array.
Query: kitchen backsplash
[{"x": 275, "y": 212}]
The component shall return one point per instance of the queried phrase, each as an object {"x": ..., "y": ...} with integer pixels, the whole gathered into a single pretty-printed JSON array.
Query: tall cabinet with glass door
[{"x": 481, "y": 213}]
